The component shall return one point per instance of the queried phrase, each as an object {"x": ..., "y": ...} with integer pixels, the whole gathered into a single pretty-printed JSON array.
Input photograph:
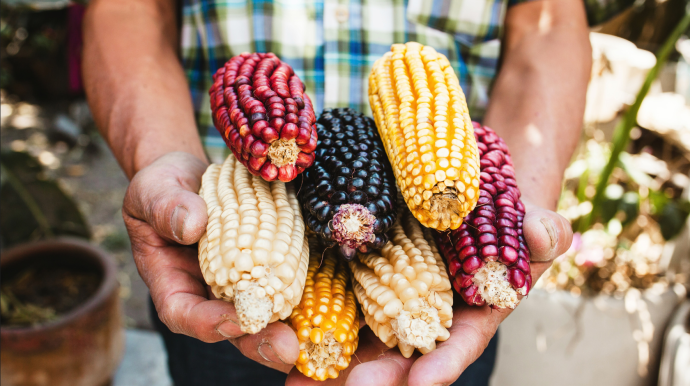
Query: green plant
[{"x": 621, "y": 135}]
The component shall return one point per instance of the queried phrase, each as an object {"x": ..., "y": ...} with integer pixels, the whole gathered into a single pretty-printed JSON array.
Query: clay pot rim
[{"x": 106, "y": 287}]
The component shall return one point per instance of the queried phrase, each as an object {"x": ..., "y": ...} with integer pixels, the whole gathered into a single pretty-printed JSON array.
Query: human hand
[
  {"x": 548, "y": 236},
  {"x": 165, "y": 217}
]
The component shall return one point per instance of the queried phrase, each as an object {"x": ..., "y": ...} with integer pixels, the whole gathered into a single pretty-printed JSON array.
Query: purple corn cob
[{"x": 487, "y": 255}]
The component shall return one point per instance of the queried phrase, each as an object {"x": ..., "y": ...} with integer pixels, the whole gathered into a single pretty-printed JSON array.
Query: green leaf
[
  {"x": 658, "y": 201},
  {"x": 608, "y": 209},
  {"x": 630, "y": 205},
  {"x": 673, "y": 218},
  {"x": 621, "y": 135}
]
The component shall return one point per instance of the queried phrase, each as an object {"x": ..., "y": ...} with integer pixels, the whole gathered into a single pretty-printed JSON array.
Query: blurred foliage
[
  {"x": 647, "y": 23},
  {"x": 33, "y": 60},
  {"x": 621, "y": 135},
  {"x": 32, "y": 206},
  {"x": 624, "y": 205}
]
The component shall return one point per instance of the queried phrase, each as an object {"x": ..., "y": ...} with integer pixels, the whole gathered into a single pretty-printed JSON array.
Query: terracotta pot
[{"x": 80, "y": 348}]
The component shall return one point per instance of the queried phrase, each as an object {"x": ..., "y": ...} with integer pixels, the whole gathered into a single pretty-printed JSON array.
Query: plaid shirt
[{"x": 332, "y": 44}]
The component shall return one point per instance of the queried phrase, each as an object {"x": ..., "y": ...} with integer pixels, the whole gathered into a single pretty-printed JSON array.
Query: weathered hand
[
  {"x": 165, "y": 218},
  {"x": 548, "y": 236}
]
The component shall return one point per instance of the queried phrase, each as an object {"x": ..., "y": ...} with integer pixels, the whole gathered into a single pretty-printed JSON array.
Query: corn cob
[
  {"x": 404, "y": 289},
  {"x": 348, "y": 196},
  {"x": 260, "y": 108},
  {"x": 326, "y": 321},
  {"x": 422, "y": 116},
  {"x": 254, "y": 252},
  {"x": 487, "y": 256}
]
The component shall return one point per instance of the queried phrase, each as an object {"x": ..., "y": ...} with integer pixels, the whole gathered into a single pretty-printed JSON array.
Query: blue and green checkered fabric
[{"x": 332, "y": 44}]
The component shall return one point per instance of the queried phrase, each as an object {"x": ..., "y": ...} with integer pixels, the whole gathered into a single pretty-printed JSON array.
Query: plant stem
[
  {"x": 29, "y": 201},
  {"x": 621, "y": 135}
]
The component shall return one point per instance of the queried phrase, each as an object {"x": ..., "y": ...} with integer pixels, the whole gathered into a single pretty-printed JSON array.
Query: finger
[
  {"x": 473, "y": 328},
  {"x": 180, "y": 295},
  {"x": 376, "y": 364},
  {"x": 547, "y": 233},
  {"x": 372, "y": 364},
  {"x": 275, "y": 346},
  {"x": 164, "y": 195},
  {"x": 390, "y": 368}
]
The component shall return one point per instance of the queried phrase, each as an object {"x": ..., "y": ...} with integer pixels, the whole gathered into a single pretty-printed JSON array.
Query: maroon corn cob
[
  {"x": 260, "y": 109},
  {"x": 487, "y": 255}
]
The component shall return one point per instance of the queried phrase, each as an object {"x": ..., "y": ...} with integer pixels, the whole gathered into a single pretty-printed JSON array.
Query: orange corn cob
[{"x": 326, "y": 320}]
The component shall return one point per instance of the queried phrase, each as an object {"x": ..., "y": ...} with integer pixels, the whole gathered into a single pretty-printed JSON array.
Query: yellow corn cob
[
  {"x": 254, "y": 252},
  {"x": 326, "y": 320},
  {"x": 421, "y": 114},
  {"x": 404, "y": 290}
]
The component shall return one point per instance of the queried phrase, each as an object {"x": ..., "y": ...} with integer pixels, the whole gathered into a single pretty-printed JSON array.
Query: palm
[
  {"x": 473, "y": 327},
  {"x": 165, "y": 218}
]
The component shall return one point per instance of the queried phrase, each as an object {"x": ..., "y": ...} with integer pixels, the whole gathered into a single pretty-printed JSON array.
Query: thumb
[
  {"x": 164, "y": 195},
  {"x": 547, "y": 233}
]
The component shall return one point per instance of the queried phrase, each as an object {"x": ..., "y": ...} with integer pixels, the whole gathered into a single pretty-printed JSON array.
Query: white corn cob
[
  {"x": 254, "y": 252},
  {"x": 404, "y": 290}
]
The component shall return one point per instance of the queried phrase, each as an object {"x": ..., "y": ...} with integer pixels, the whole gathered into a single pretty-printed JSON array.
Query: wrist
[
  {"x": 143, "y": 146},
  {"x": 145, "y": 155}
]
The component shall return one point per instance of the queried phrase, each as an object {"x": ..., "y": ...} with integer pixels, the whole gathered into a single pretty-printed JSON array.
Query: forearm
[
  {"x": 537, "y": 102},
  {"x": 134, "y": 81}
]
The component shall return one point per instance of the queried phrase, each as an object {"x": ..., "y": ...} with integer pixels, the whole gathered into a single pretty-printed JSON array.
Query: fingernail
[
  {"x": 266, "y": 351},
  {"x": 178, "y": 219},
  {"x": 229, "y": 329},
  {"x": 551, "y": 230},
  {"x": 441, "y": 384}
]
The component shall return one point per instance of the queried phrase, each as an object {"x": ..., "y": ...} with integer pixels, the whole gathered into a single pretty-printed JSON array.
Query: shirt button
[{"x": 342, "y": 13}]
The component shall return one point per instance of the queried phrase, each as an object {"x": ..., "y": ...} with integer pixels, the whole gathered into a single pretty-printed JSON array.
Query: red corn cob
[
  {"x": 260, "y": 108},
  {"x": 487, "y": 255}
]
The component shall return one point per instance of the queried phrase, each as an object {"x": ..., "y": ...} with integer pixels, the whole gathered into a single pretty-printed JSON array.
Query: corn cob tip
[
  {"x": 494, "y": 287},
  {"x": 353, "y": 225},
  {"x": 325, "y": 358},
  {"x": 282, "y": 152},
  {"x": 419, "y": 328},
  {"x": 446, "y": 206},
  {"x": 254, "y": 309}
]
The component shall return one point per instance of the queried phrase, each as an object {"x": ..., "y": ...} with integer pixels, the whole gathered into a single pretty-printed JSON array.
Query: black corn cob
[{"x": 348, "y": 194}]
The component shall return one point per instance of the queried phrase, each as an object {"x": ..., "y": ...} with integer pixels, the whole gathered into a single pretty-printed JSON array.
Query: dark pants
[{"x": 192, "y": 362}]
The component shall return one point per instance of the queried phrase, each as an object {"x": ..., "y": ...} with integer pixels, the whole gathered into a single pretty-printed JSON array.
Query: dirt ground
[{"x": 64, "y": 139}]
